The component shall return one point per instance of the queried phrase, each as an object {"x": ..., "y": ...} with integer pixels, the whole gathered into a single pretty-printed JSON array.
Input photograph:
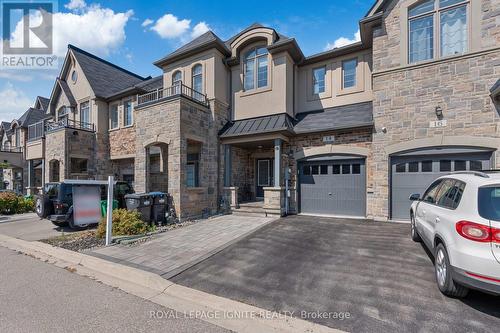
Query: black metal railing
[
  {"x": 175, "y": 90},
  {"x": 38, "y": 130}
]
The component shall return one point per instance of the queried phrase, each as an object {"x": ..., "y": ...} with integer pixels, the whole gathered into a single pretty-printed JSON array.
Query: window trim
[
  {"x": 245, "y": 57},
  {"x": 117, "y": 116},
  {"x": 342, "y": 74},
  {"x": 197, "y": 75},
  {"x": 89, "y": 110},
  {"x": 131, "y": 112},
  {"x": 174, "y": 81},
  {"x": 436, "y": 29},
  {"x": 314, "y": 80}
]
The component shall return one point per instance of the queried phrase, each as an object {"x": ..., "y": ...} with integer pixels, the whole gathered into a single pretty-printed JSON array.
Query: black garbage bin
[
  {"x": 142, "y": 203},
  {"x": 159, "y": 208}
]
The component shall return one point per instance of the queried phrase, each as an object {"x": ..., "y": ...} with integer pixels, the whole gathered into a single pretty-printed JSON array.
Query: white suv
[{"x": 458, "y": 218}]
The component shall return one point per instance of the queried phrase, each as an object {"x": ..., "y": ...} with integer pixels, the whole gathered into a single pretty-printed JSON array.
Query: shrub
[
  {"x": 25, "y": 205},
  {"x": 8, "y": 203},
  {"x": 125, "y": 223}
]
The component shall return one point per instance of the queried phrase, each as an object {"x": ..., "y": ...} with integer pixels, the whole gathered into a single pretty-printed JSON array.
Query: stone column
[
  {"x": 277, "y": 162},
  {"x": 231, "y": 196},
  {"x": 274, "y": 200}
]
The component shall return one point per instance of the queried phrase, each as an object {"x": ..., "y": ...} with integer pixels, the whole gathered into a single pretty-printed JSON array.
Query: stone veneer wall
[
  {"x": 405, "y": 98},
  {"x": 55, "y": 148},
  {"x": 122, "y": 141}
]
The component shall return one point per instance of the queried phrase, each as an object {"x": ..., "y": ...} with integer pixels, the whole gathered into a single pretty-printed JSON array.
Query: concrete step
[{"x": 237, "y": 212}]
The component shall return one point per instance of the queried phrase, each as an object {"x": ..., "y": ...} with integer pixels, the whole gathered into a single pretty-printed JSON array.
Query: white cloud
[
  {"x": 93, "y": 28},
  {"x": 76, "y": 4},
  {"x": 343, "y": 41},
  {"x": 147, "y": 22},
  {"x": 199, "y": 29},
  {"x": 11, "y": 75},
  {"x": 169, "y": 26},
  {"x": 14, "y": 102}
]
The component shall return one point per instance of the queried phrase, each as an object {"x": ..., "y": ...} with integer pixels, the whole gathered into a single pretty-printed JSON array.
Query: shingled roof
[
  {"x": 42, "y": 103},
  {"x": 105, "y": 78},
  {"x": 268, "y": 124},
  {"x": 31, "y": 116}
]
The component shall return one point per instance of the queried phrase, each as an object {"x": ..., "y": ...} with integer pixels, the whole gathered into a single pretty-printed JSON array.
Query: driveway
[
  {"x": 373, "y": 271},
  {"x": 176, "y": 250},
  {"x": 29, "y": 227}
]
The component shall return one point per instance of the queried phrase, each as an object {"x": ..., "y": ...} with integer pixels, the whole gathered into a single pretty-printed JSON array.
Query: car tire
[
  {"x": 414, "y": 233},
  {"x": 42, "y": 206},
  {"x": 73, "y": 226},
  {"x": 444, "y": 279}
]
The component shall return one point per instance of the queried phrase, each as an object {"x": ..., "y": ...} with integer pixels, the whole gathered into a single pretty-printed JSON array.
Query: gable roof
[
  {"x": 105, "y": 78},
  {"x": 42, "y": 103},
  {"x": 30, "y": 117},
  {"x": 65, "y": 89},
  {"x": 200, "y": 43}
]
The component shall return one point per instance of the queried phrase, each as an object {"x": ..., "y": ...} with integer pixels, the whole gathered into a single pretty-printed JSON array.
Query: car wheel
[
  {"x": 41, "y": 207},
  {"x": 443, "y": 275},
  {"x": 414, "y": 233}
]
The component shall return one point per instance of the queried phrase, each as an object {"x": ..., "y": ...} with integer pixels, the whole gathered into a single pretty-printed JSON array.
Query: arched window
[
  {"x": 255, "y": 68},
  {"x": 176, "y": 78},
  {"x": 197, "y": 79}
]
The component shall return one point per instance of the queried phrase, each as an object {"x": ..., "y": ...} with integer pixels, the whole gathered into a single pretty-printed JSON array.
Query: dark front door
[{"x": 264, "y": 175}]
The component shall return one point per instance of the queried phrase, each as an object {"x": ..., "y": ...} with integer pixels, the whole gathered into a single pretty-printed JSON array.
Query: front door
[{"x": 264, "y": 176}]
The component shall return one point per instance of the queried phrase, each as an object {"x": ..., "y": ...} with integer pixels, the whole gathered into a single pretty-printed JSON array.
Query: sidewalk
[{"x": 170, "y": 253}]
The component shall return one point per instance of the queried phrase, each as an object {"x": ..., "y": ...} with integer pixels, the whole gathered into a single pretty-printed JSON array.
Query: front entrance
[{"x": 264, "y": 175}]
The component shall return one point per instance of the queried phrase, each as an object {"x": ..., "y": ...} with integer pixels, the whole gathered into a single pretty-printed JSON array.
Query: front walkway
[{"x": 174, "y": 251}]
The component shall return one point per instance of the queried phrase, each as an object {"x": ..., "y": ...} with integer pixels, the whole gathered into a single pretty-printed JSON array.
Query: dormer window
[
  {"x": 255, "y": 68},
  {"x": 444, "y": 18}
]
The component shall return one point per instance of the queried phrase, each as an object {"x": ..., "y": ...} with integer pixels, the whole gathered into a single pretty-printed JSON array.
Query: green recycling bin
[{"x": 104, "y": 206}]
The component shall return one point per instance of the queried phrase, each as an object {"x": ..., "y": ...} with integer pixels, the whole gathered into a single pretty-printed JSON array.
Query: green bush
[
  {"x": 125, "y": 223},
  {"x": 9, "y": 203}
]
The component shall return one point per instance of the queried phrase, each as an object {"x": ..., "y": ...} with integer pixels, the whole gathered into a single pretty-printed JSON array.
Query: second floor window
[
  {"x": 445, "y": 18},
  {"x": 197, "y": 79},
  {"x": 319, "y": 80},
  {"x": 17, "y": 132},
  {"x": 349, "y": 73},
  {"x": 255, "y": 68},
  {"x": 85, "y": 113},
  {"x": 127, "y": 113},
  {"x": 113, "y": 116},
  {"x": 176, "y": 78}
]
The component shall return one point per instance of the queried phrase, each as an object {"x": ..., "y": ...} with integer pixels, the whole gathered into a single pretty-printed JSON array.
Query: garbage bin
[
  {"x": 140, "y": 202},
  {"x": 104, "y": 206},
  {"x": 159, "y": 207}
]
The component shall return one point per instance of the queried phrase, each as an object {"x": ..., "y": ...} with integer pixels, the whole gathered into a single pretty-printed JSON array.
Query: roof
[
  {"x": 105, "y": 78},
  {"x": 151, "y": 84},
  {"x": 267, "y": 124},
  {"x": 339, "y": 117},
  {"x": 44, "y": 102},
  {"x": 31, "y": 116},
  {"x": 495, "y": 89},
  {"x": 5, "y": 125},
  {"x": 204, "y": 41},
  {"x": 65, "y": 88}
]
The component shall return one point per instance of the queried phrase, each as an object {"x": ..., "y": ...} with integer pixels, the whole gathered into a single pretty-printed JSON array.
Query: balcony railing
[
  {"x": 38, "y": 130},
  {"x": 11, "y": 149},
  {"x": 175, "y": 90}
]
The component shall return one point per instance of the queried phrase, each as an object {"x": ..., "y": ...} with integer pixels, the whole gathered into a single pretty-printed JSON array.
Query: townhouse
[{"x": 251, "y": 124}]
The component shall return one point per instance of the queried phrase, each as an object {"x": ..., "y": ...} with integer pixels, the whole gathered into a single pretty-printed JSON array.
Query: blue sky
[{"x": 133, "y": 34}]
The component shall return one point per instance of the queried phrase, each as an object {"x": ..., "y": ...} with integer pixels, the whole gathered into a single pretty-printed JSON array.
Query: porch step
[{"x": 250, "y": 209}]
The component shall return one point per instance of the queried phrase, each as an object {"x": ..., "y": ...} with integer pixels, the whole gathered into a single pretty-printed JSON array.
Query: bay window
[
  {"x": 446, "y": 20},
  {"x": 255, "y": 68}
]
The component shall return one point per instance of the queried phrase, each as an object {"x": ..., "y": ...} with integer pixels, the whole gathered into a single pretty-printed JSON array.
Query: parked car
[
  {"x": 458, "y": 219},
  {"x": 56, "y": 202}
]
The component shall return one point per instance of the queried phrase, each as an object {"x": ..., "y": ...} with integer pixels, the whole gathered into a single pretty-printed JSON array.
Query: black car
[{"x": 56, "y": 202}]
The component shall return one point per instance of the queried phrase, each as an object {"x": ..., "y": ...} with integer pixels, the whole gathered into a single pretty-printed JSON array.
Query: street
[{"x": 39, "y": 297}]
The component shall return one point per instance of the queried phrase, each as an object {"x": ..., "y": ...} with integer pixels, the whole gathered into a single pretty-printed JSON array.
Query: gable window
[
  {"x": 127, "y": 113},
  {"x": 444, "y": 18},
  {"x": 85, "y": 113},
  {"x": 319, "y": 80},
  {"x": 113, "y": 116},
  {"x": 349, "y": 73},
  {"x": 62, "y": 113},
  {"x": 255, "y": 68},
  {"x": 17, "y": 132}
]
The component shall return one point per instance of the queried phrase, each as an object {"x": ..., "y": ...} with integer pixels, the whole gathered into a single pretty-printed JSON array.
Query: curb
[{"x": 216, "y": 310}]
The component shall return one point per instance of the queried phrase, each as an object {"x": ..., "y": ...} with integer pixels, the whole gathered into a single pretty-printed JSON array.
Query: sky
[{"x": 134, "y": 33}]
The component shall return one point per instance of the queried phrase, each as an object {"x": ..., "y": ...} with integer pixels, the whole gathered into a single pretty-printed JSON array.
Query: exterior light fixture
[{"x": 439, "y": 112}]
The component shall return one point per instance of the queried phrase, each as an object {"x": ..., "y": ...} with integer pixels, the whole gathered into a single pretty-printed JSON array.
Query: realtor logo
[{"x": 27, "y": 34}]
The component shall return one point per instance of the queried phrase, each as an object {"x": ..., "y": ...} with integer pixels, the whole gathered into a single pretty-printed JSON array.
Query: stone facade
[{"x": 122, "y": 142}]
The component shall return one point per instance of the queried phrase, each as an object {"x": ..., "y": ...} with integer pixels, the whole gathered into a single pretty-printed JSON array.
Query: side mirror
[{"x": 414, "y": 197}]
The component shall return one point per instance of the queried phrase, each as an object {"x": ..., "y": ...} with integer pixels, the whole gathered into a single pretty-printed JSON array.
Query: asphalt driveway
[
  {"x": 30, "y": 227},
  {"x": 372, "y": 271}
]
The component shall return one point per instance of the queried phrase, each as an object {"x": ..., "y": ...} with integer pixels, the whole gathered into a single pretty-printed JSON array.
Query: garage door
[
  {"x": 333, "y": 187},
  {"x": 414, "y": 172}
]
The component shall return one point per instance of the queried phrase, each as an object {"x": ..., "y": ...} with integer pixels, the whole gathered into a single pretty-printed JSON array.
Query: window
[
  {"x": 476, "y": 165},
  {"x": 426, "y": 166},
  {"x": 62, "y": 113},
  {"x": 323, "y": 169},
  {"x": 489, "y": 202},
  {"x": 431, "y": 193},
  {"x": 413, "y": 167},
  {"x": 346, "y": 169},
  {"x": 197, "y": 79},
  {"x": 349, "y": 73},
  {"x": 445, "y": 192},
  {"x": 319, "y": 80},
  {"x": 176, "y": 78},
  {"x": 401, "y": 167},
  {"x": 74, "y": 76},
  {"x": 306, "y": 170},
  {"x": 356, "y": 169},
  {"x": 127, "y": 113},
  {"x": 452, "y": 28},
  {"x": 336, "y": 169},
  {"x": 78, "y": 165},
  {"x": 85, "y": 113},
  {"x": 460, "y": 165},
  {"x": 445, "y": 165},
  {"x": 255, "y": 68},
  {"x": 113, "y": 116},
  {"x": 17, "y": 132},
  {"x": 193, "y": 164},
  {"x": 315, "y": 169}
]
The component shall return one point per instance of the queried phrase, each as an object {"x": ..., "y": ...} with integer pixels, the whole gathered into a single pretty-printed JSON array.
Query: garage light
[{"x": 439, "y": 112}]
